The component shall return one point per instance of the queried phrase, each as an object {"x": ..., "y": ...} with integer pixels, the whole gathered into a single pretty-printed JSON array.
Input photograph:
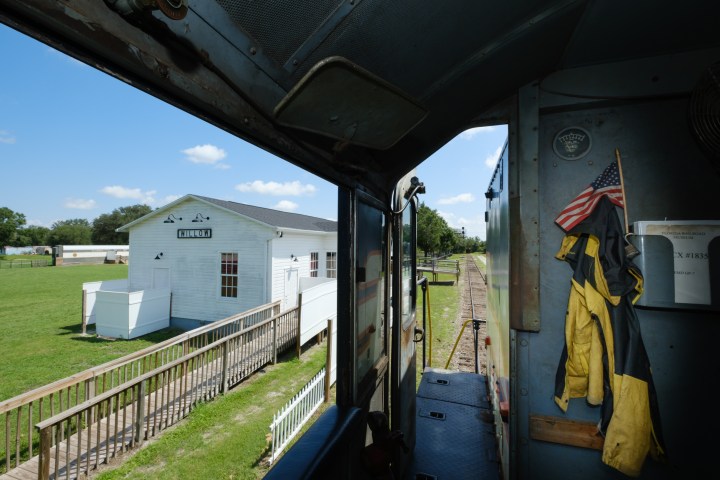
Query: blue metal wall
[{"x": 667, "y": 177}]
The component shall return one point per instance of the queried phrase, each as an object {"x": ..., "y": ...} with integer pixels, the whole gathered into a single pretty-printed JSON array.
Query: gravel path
[{"x": 472, "y": 286}]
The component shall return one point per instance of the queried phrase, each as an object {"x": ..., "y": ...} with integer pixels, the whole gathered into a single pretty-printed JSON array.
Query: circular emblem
[{"x": 572, "y": 143}]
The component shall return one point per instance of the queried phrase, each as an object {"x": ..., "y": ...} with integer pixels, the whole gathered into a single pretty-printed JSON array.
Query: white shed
[{"x": 219, "y": 257}]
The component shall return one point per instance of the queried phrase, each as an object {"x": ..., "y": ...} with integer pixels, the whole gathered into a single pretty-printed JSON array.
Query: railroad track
[{"x": 473, "y": 306}]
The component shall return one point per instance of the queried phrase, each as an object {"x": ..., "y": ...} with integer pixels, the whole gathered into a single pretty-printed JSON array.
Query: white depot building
[{"x": 199, "y": 259}]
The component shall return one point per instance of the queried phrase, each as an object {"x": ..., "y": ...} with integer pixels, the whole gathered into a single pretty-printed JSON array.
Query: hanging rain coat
[{"x": 604, "y": 358}]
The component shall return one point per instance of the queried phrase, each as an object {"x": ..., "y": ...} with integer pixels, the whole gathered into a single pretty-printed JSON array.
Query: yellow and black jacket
[{"x": 602, "y": 335}]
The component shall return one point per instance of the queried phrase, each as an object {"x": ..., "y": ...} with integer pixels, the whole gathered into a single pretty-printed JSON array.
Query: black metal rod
[
  {"x": 423, "y": 284},
  {"x": 476, "y": 328}
]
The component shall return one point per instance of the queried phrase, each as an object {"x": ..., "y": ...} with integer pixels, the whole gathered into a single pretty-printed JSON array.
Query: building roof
[
  {"x": 276, "y": 218},
  {"x": 266, "y": 216}
]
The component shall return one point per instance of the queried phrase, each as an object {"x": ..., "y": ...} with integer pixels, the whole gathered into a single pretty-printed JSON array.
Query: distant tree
[
  {"x": 9, "y": 223},
  {"x": 450, "y": 241},
  {"x": 474, "y": 244},
  {"x": 32, "y": 235},
  {"x": 76, "y": 231},
  {"x": 430, "y": 228},
  {"x": 103, "y": 227}
]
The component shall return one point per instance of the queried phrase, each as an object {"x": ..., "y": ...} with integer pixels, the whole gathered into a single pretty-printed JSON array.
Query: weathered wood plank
[{"x": 567, "y": 432}]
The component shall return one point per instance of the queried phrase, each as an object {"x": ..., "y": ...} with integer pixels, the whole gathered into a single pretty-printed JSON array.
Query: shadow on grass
[
  {"x": 446, "y": 283},
  {"x": 262, "y": 460},
  {"x": 71, "y": 329},
  {"x": 92, "y": 337}
]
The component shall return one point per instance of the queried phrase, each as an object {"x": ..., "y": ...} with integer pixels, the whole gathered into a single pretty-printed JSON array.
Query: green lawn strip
[
  {"x": 40, "y": 315},
  {"x": 227, "y": 437},
  {"x": 444, "y": 301}
]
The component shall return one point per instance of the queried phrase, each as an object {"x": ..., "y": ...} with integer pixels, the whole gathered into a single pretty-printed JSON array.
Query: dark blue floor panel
[{"x": 455, "y": 432}]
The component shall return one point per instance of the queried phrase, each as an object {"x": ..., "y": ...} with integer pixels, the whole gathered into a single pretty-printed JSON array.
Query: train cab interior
[{"x": 360, "y": 92}]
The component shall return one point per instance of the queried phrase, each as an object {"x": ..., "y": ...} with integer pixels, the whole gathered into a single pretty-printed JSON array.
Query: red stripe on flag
[{"x": 583, "y": 205}]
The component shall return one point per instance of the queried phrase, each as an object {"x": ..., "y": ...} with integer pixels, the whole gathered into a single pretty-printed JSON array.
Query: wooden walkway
[{"x": 111, "y": 430}]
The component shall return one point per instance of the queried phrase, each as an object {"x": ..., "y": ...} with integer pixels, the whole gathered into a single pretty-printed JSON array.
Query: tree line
[
  {"x": 435, "y": 237},
  {"x": 14, "y": 232}
]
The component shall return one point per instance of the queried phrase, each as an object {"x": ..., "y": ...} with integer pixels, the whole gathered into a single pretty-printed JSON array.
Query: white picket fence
[{"x": 288, "y": 421}]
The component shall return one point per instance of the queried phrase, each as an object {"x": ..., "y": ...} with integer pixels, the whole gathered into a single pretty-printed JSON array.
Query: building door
[
  {"x": 291, "y": 289},
  {"x": 161, "y": 278}
]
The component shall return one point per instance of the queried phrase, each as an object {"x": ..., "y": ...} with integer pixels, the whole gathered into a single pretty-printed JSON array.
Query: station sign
[{"x": 194, "y": 233}]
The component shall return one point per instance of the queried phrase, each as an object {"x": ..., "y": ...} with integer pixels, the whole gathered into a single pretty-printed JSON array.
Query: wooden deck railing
[
  {"x": 18, "y": 439},
  {"x": 124, "y": 417},
  {"x": 440, "y": 266}
]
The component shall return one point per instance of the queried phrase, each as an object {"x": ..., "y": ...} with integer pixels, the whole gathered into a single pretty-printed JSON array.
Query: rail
[
  {"x": 123, "y": 417},
  {"x": 18, "y": 439},
  {"x": 475, "y": 321},
  {"x": 436, "y": 267}
]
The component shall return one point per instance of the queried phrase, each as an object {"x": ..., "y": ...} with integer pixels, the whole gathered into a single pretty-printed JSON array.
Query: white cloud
[
  {"x": 132, "y": 193},
  {"x": 6, "y": 137},
  {"x": 168, "y": 199},
  {"x": 492, "y": 159},
  {"x": 474, "y": 227},
  {"x": 286, "y": 205},
  {"x": 469, "y": 134},
  {"x": 448, "y": 216},
  {"x": 207, "y": 155},
  {"x": 462, "y": 198},
  {"x": 80, "y": 204},
  {"x": 38, "y": 223},
  {"x": 274, "y": 188}
]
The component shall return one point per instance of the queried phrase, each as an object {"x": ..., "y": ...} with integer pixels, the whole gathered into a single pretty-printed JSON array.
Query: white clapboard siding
[
  {"x": 194, "y": 263},
  {"x": 191, "y": 266}
]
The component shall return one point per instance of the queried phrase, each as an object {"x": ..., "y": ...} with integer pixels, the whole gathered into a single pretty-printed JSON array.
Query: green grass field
[
  {"x": 228, "y": 437},
  {"x": 40, "y": 317}
]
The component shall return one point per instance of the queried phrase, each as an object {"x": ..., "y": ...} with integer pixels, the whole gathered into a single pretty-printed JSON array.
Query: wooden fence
[
  {"x": 437, "y": 267},
  {"x": 18, "y": 440},
  {"x": 45, "y": 262}
]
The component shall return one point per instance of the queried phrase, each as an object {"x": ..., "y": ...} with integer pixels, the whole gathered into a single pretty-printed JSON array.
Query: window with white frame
[
  {"x": 331, "y": 264},
  {"x": 314, "y": 262},
  {"x": 229, "y": 275}
]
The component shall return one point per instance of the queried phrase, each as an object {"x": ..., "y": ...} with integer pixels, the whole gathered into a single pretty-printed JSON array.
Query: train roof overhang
[{"x": 358, "y": 92}]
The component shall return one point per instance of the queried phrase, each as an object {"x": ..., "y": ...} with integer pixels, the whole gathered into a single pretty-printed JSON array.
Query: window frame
[
  {"x": 234, "y": 273},
  {"x": 314, "y": 262},
  {"x": 331, "y": 264}
]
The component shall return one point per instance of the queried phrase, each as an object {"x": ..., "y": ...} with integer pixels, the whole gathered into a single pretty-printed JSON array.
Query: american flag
[{"x": 608, "y": 183}]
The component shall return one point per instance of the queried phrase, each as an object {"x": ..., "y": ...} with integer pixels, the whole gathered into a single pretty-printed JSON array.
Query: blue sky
[{"x": 77, "y": 143}]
